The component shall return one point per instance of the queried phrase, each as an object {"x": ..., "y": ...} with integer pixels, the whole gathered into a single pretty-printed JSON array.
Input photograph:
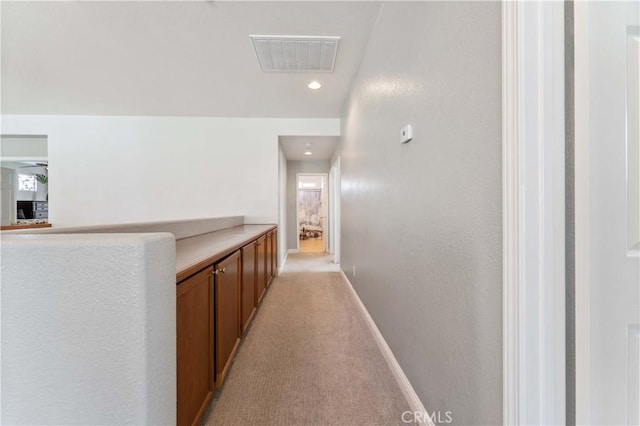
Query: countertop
[
  {"x": 195, "y": 253},
  {"x": 25, "y": 226}
]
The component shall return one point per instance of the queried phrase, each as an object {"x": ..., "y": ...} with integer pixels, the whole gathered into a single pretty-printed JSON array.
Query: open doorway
[
  {"x": 312, "y": 212},
  {"x": 24, "y": 180}
]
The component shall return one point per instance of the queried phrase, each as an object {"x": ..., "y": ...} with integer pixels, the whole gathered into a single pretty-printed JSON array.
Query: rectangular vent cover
[{"x": 295, "y": 53}]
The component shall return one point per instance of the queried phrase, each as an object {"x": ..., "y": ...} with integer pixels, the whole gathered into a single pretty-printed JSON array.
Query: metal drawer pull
[{"x": 220, "y": 271}]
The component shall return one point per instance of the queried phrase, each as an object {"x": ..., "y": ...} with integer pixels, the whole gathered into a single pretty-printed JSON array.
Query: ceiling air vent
[{"x": 295, "y": 53}]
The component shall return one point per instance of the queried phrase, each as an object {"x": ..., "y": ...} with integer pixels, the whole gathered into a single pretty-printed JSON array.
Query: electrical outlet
[{"x": 354, "y": 271}]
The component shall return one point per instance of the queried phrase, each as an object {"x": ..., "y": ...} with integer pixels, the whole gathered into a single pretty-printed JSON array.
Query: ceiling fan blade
[{"x": 37, "y": 166}]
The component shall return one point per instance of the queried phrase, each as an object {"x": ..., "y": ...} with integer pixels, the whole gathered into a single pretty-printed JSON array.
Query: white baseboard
[
  {"x": 293, "y": 251},
  {"x": 286, "y": 254},
  {"x": 405, "y": 386}
]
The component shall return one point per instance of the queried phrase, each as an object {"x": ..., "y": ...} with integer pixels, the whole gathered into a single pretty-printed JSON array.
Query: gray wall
[
  {"x": 422, "y": 222},
  {"x": 293, "y": 167}
]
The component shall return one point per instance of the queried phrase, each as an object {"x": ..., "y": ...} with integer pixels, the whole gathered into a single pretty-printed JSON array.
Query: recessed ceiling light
[
  {"x": 308, "y": 153},
  {"x": 314, "y": 85}
]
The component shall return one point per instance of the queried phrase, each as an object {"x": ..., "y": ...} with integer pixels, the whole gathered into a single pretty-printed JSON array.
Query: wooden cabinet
[
  {"x": 274, "y": 253},
  {"x": 227, "y": 312},
  {"x": 261, "y": 266},
  {"x": 195, "y": 339},
  {"x": 269, "y": 255},
  {"x": 248, "y": 289},
  {"x": 214, "y": 308}
]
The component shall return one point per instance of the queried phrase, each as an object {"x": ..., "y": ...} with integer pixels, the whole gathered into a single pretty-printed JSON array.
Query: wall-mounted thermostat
[{"x": 406, "y": 134}]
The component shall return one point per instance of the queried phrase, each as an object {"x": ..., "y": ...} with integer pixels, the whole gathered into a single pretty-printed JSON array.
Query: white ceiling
[
  {"x": 316, "y": 180},
  {"x": 322, "y": 147},
  {"x": 30, "y": 167},
  {"x": 180, "y": 58}
]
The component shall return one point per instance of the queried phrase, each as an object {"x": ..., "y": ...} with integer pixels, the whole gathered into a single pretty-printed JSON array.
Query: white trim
[
  {"x": 510, "y": 217},
  {"x": 334, "y": 206},
  {"x": 582, "y": 214},
  {"x": 533, "y": 213},
  {"x": 286, "y": 254},
  {"x": 405, "y": 385},
  {"x": 293, "y": 251}
]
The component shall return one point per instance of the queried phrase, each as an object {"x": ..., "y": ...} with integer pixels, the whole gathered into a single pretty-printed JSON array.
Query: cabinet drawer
[{"x": 41, "y": 214}]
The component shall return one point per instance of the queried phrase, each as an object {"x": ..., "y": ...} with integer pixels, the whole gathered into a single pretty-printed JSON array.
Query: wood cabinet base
[
  {"x": 225, "y": 369},
  {"x": 195, "y": 336},
  {"x": 228, "y": 327},
  {"x": 214, "y": 309}
]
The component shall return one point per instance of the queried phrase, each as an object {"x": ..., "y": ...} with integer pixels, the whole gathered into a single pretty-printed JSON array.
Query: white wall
[
  {"x": 162, "y": 168},
  {"x": 282, "y": 206},
  {"x": 23, "y": 146},
  {"x": 421, "y": 222},
  {"x": 294, "y": 167},
  {"x": 88, "y": 329}
]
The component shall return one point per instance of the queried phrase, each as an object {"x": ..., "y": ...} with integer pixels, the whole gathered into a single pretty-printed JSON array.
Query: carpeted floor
[{"x": 308, "y": 358}]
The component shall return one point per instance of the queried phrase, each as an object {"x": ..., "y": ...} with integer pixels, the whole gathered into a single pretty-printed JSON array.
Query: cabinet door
[
  {"x": 195, "y": 334},
  {"x": 261, "y": 265},
  {"x": 228, "y": 329},
  {"x": 248, "y": 293},
  {"x": 269, "y": 256},
  {"x": 274, "y": 254}
]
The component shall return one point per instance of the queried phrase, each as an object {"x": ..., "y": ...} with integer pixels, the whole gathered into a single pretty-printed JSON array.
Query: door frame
[
  {"x": 533, "y": 143},
  {"x": 12, "y": 202},
  {"x": 325, "y": 207},
  {"x": 582, "y": 220},
  {"x": 334, "y": 210}
]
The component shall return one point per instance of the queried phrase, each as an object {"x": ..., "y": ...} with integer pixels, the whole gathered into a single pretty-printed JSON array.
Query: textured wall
[
  {"x": 294, "y": 167},
  {"x": 422, "y": 222},
  {"x": 88, "y": 329}
]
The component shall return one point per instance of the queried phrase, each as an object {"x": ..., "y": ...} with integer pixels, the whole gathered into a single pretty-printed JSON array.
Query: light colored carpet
[
  {"x": 311, "y": 262},
  {"x": 308, "y": 359}
]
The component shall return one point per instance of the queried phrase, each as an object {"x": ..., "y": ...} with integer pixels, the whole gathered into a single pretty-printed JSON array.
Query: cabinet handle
[{"x": 220, "y": 271}]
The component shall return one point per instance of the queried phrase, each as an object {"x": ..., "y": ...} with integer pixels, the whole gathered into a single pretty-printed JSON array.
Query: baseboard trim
[
  {"x": 293, "y": 251},
  {"x": 286, "y": 254},
  {"x": 405, "y": 386}
]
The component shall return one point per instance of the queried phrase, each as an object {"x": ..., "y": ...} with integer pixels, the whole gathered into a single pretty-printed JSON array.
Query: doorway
[
  {"x": 24, "y": 179},
  {"x": 311, "y": 202}
]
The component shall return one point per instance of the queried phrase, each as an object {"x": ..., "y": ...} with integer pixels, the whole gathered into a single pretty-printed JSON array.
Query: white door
[
  {"x": 7, "y": 198},
  {"x": 607, "y": 161}
]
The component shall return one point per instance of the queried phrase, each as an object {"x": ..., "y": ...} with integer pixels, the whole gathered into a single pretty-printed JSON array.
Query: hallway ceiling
[
  {"x": 192, "y": 58},
  {"x": 322, "y": 147}
]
